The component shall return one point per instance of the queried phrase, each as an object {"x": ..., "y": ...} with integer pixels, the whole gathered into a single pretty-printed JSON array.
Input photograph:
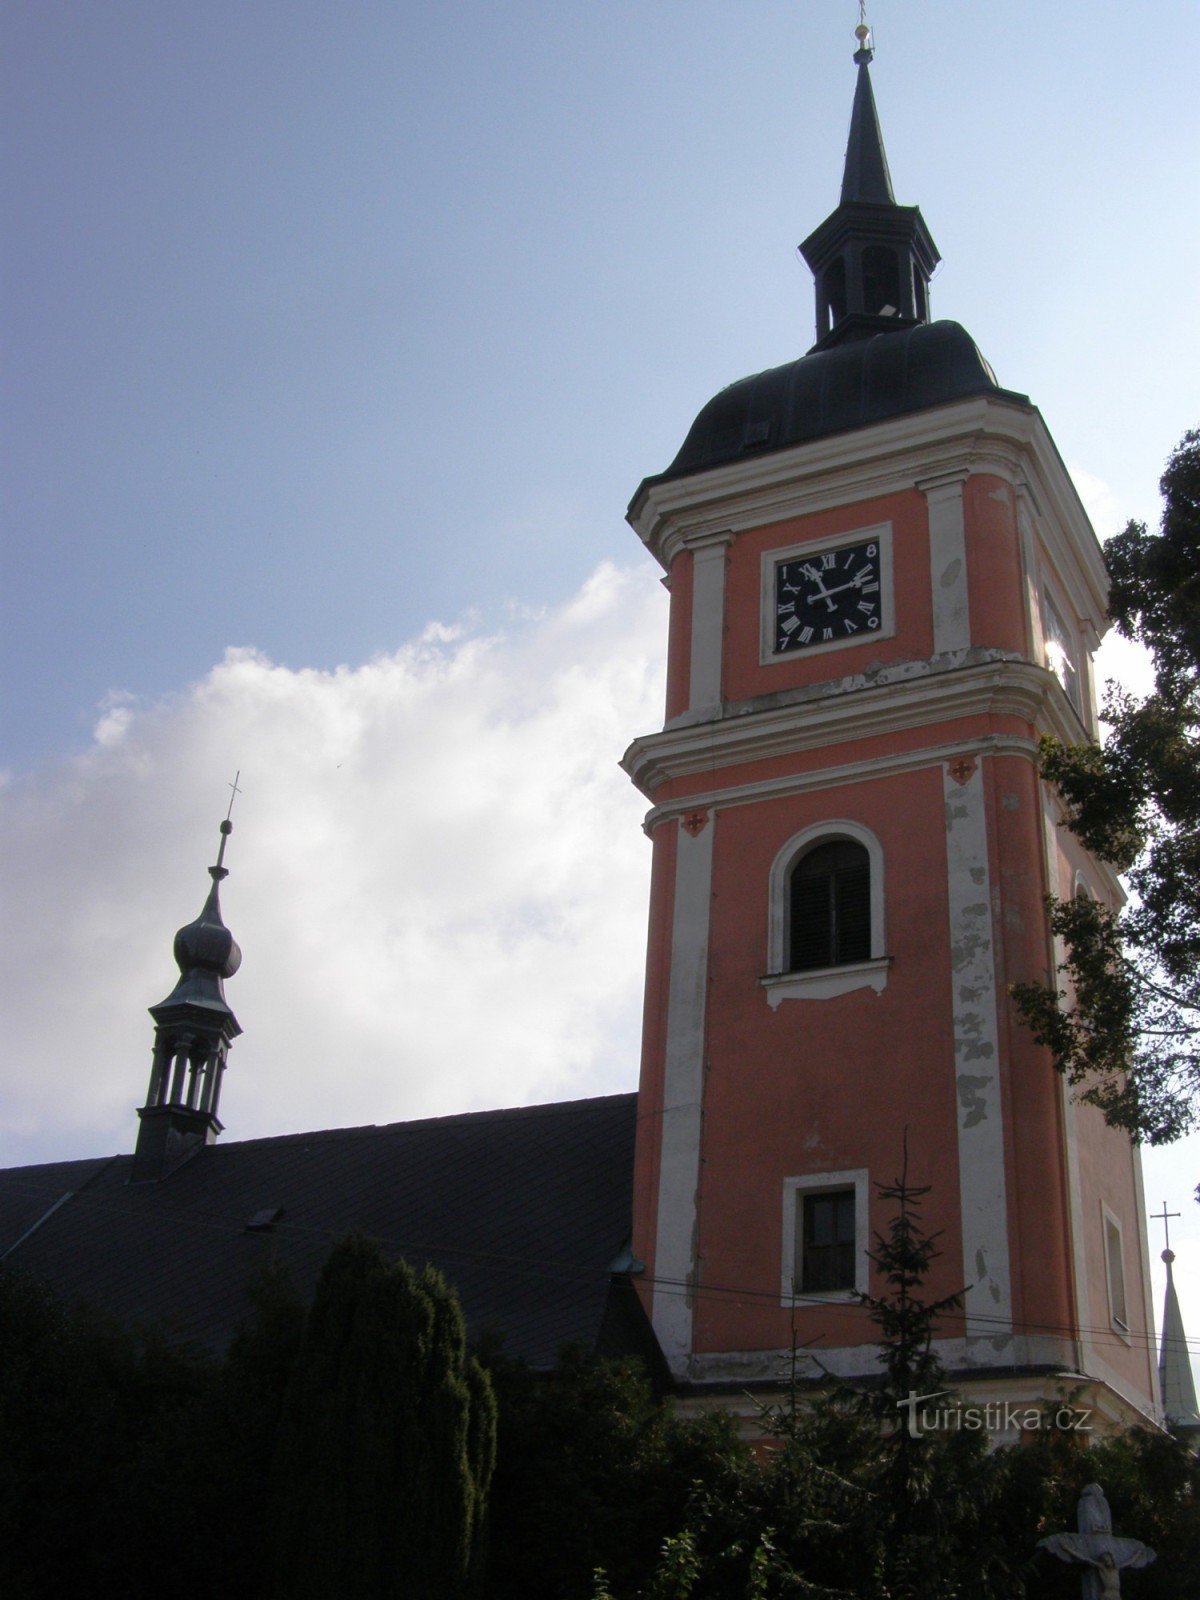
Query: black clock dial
[{"x": 828, "y": 596}]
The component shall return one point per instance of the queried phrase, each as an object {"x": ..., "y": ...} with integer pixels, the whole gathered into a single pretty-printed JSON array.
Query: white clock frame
[{"x": 881, "y": 534}]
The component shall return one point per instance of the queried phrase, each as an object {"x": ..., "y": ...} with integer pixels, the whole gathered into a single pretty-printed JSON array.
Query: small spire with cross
[
  {"x": 194, "y": 1028},
  {"x": 1177, "y": 1384}
]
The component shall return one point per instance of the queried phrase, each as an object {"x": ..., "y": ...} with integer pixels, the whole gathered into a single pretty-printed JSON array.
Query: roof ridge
[{"x": 542, "y": 1109}]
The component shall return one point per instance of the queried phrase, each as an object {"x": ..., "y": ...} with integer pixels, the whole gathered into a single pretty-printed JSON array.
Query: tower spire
[
  {"x": 872, "y": 259},
  {"x": 866, "y": 175},
  {"x": 194, "y": 1029},
  {"x": 1175, "y": 1379}
]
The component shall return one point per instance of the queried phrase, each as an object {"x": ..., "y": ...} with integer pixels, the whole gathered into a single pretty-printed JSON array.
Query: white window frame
[
  {"x": 1110, "y": 1224},
  {"x": 881, "y": 533},
  {"x": 1071, "y": 645},
  {"x": 822, "y": 983},
  {"x": 794, "y": 1191}
]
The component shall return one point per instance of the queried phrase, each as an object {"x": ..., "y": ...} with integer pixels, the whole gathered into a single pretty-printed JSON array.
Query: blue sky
[
  {"x": 340, "y": 336},
  {"x": 325, "y": 320}
]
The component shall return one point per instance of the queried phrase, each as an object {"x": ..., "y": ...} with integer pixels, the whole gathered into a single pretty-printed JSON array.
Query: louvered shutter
[
  {"x": 852, "y": 906},
  {"x": 830, "y": 906}
]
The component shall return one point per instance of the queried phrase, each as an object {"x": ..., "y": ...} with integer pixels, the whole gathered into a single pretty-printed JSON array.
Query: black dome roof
[{"x": 832, "y": 391}]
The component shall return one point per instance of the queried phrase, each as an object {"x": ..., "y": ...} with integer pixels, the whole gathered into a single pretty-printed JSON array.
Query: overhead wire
[{"x": 539, "y": 1266}]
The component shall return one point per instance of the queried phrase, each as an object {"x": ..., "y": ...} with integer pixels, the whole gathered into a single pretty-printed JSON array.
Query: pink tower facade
[{"x": 884, "y": 589}]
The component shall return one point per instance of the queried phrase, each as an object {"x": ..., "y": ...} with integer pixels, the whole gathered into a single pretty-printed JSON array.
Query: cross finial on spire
[
  {"x": 866, "y": 45},
  {"x": 1164, "y": 1216},
  {"x": 219, "y": 871}
]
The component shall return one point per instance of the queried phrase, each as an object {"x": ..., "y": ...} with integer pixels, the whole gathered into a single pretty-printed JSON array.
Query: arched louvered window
[
  {"x": 881, "y": 280},
  {"x": 833, "y": 289},
  {"x": 829, "y": 906}
]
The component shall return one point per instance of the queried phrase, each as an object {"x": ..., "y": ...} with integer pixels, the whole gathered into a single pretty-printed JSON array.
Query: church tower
[
  {"x": 193, "y": 1032},
  {"x": 884, "y": 589}
]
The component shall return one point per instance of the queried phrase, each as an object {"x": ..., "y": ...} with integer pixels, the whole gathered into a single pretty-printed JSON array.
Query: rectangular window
[
  {"x": 1061, "y": 655},
  {"x": 825, "y": 1236},
  {"x": 1114, "y": 1256},
  {"x": 827, "y": 1253}
]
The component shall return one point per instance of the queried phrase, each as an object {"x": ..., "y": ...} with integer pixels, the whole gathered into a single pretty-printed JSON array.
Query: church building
[{"x": 883, "y": 590}]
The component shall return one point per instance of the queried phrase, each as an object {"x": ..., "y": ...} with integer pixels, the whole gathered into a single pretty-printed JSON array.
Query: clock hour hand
[{"x": 814, "y": 577}]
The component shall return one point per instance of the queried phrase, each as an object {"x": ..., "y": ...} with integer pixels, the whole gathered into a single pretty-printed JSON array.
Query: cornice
[
  {"x": 834, "y": 777},
  {"x": 982, "y": 434},
  {"x": 918, "y": 695},
  {"x": 822, "y": 473}
]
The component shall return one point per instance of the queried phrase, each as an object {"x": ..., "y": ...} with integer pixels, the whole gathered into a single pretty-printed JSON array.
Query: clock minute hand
[{"x": 855, "y": 583}]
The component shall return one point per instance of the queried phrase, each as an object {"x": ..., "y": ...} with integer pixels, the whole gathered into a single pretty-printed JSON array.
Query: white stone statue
[{"x": 1097, "y": 1548}]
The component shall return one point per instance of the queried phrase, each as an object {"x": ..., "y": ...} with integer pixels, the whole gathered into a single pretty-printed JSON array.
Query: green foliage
[
  {"x": 127, "y": 1467},
  {"x": 906, "y": 1321},
  {"x": 86, "y": 1410},
  {"x": 385, "y": 1443},
  {"x": 593, "y": 1472},
  {"x": 1129, "y": 1033},
  {"x": 847, "y": 1507},
  {"x": 170, "y": 1470}
]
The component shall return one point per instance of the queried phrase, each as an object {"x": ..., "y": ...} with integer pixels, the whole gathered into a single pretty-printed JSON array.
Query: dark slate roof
[
  {"x": 525, "y": 1211},
  {"x": 833, "y": 391}
]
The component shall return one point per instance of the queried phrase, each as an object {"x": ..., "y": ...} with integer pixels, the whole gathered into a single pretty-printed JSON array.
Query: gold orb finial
[{"x": 866, "y": 45}]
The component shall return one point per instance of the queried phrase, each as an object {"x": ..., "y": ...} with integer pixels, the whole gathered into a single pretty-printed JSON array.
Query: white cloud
[
  {"x": 1099, "y": 501},
  {"x": 438, "y": 879}
]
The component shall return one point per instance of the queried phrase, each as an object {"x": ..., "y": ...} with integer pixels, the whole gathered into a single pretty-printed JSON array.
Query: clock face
[{"x": 827, "y": 596}]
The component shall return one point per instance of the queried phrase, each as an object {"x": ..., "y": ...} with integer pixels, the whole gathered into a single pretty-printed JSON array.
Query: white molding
[
  {"x": 778, "y": 909},
  {"x": 948, "y": 562},
  {"x": 1143, "y": 1246},
  {"x": 984, "y": 433},
  {"x": 826, "y": 983},
  {"x": 835, "y": 777},
  {"x": 890, "y": 701},
  {"x": 823, "y": 778},
  {"x": 881, "y": 534},
  {"x": 708, "y": 618},
  {"x": 1026, "y": 508},
  {"x": 1100, "y": 1370},
  {"x": 1070, "y": 1121},
  {"x": 982, "y": 1184},
  {"x": 855, "y": 1178},
  {"x": 958, "y": 1355},
  {"x": 683, "y": 1080}
]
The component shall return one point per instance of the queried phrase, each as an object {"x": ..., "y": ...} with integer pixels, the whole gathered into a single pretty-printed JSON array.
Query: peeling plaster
[
  {"x": 683, "y": 1077},
  {"x": 970, "y": 1098},
  {"x": 877, "y": 675},
  {"x": 948, "y": 565},
  {"x": 982, "y": 1188}
]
